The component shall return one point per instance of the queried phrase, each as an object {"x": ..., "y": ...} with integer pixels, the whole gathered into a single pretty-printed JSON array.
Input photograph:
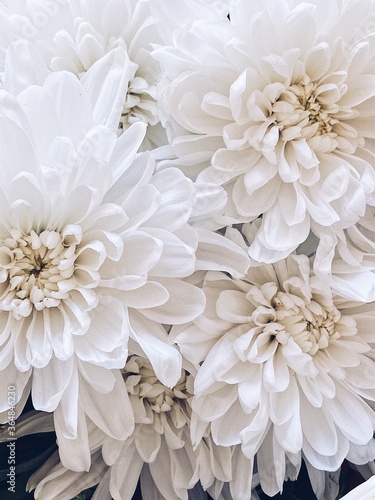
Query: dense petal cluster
[
  {"x": 93, "y": 251},
  {"x": 287, "y": 369},
  {"x": 73, "y": 35},
  {"x": 159, "y": 451},
  {"x": 277, "y": 111},
  {"x": 187, "y": 244}
]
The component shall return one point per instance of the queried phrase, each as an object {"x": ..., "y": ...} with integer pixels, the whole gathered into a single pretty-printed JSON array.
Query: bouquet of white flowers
[{"x": 187, "y": 248}]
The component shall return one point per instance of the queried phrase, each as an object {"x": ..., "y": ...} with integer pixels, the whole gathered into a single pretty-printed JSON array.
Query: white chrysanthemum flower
[
  {"x": 287, "y": 369},
  {"x": 93, "y": 250},
  {"x": 277, "y": 106},
  {"x": 74, "y": 34},
  {"x": 159, "y": 452}
]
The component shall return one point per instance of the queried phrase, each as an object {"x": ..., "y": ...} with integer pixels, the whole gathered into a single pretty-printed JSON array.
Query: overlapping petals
[
  {"x": 287, "y": 369},
  {"x": 277, "y": 110},
  {"x": 159, "y": 451},
  {"x": 39, "y": 37},
  {"x": 187, "y": 243},
  {"x": 93, "y": 251},
  {"x": 345, "y": 258}
]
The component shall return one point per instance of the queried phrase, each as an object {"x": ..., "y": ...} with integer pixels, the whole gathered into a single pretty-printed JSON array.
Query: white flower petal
[
  {"x": 21, "y": 381},
  {"x": 359, "y": 435},
  {"x": 109, "y": 317},
  {"x": 126, "y": 471},
  {"x": 324, "y": 442},
  {"x": 153, "y": 340},
  {"x": 226, "y": 431},
  {"x": 149, "y": 295},
  {"x": 124, "y": 156},
  {"x": 140, "y": 255},
  {"x": 176, "y": 199},
  {"x": 148, "y": 444},
  {"x": 74, "y": 451},
  {"x": 176, "y": 259},
  {"x": 21, "y": 54},
  {"x": 118, "y": 424},
  {"x": 216, "y": 252},
  {"x": 15, "y": 151},
  {"x": 106, "y": 84},
  {"x": 50, "y": 383},
  {"x": 327, "y": 463},
  {"x": 184, "y": 304},
  {"x": 52, "y": 99}
]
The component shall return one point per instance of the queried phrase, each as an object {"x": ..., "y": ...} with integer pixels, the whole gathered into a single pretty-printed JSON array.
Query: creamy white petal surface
[
  {"x": 278, "y": 110},
  {"x": 287, "y": 369}
]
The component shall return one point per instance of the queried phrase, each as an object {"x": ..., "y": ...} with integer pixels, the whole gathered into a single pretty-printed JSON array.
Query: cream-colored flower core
[
  {"x": 311, "y": 325},
  {"x": 303, "y": 110},
  {"x": 141, "y": 382},
  {"x": 36, "y": 270},
  {"x": 300, "y": 105}
]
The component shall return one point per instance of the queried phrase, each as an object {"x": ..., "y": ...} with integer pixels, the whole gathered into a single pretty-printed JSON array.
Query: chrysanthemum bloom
[
  {"x": 73, "y": 34},
  {"x": 93, "y": 250},
  {"x": 277, "y": 106},
  {"x": 159, "y": 452},
  {"x": 287, "y": 369}
]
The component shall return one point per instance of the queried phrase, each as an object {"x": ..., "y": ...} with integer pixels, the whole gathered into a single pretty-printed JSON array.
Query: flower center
[
  {"x": 304, "y": 110},
  {"x": 34, "y": 266},
  {"x": 300, "y": 105},
  {"x": 142, "y": 383},
  {"x": 140, "y": 103},
  {"x": 311, "y": 325}
]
